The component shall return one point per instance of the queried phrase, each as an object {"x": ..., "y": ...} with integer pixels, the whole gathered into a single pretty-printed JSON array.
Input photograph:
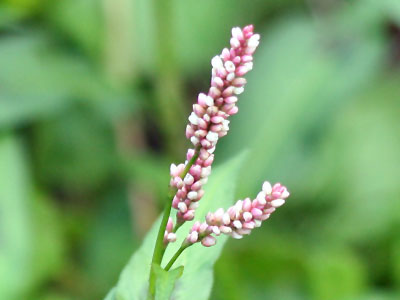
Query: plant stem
[
  {"x": 176, "y": 227},
  {"x": 176, "y": 255},
  {"x": 159, "y": 248}
]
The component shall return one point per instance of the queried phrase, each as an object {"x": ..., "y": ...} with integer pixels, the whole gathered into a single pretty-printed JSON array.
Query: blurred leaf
[
  {"x": 335, "y": 274},
  {"x": 37, "y": 80},
  {"x": 165, "y": 281},
  {"x": 364, "y": 145},
  {"x": 75, "y": 150},
  {"x": 24, "y": 7},
  {"x": 31, "y": 247},
  {"x": 268, "y": 264},
  {"x": 53, "y": 296},
  {"x": 193, "y": 42},
  {"x": 148, "y": 169},
  {"x": 49, "y": 245},
  {"x": 198, "y": 261},
  {"x": 15, "y": 231},
  {"x": 109, "y": 241},
  {"x": 8, "y": 15},
  {"x": 82, "y": 21},
  {"x": 378, "y": 295},
  {"x": 392, "y": 9},
  {"x": 197, "y": 43},
  {"x": 111, "y": 294},
  {"x": 395, "y": 258}
]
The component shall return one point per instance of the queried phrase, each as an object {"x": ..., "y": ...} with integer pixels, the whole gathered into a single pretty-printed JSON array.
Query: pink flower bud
[
  {"x": 247, "y": 204},
  {"x": 247, "y": 216},
  {"x": 203, "y": 227},
  {"x": 209, "y": 161},
  {"x": 277, "y": 202},
  {"x": 208, "y": 241},
  {"x": 225, "y": 54},
  {"x": 188, "y": 180},
  {"x": 231, "y": 99},
  {"x": 239, "y": 82},
  {"x": 256, "y": 212},
  {"x": 170, "y": 225},
  {"x": 189, "y": 215},
  {"x": 233, "y": 111},
  {"x": 214, "y": 92},
  {"x": 182, "y": 207},
  {"x": 193, "y": 237},
  {"x": 171, "y": 237}
]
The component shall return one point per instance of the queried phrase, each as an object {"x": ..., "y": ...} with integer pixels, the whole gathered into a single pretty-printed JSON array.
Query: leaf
[
  {"x": 395, "y": 265},
  {"x": 31, "y": 247},
  {"x": 198, "y": 261},
  {"x": 111, "y": 294},
  {"x": 15, "y": 231},
  {"x": 367, "y": 130},
  {"x": 48, "y": 251},
  {"x": 65, "y": 155},
  {"x": 50, "y": 82},
  {"x": 82, "y": 21},
  {"x": 109, "y": 240},
  {"x": 335, "y": 274},
  {"x": 165, "y": 281}
]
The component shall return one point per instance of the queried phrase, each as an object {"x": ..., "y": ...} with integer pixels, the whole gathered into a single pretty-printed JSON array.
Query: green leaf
[
  {"x": 67, "y": 157},
  {"x": 16, "y": 234},
  {"x": 198, "y": 261},
  {"x": 362, "y": 145},
  {"x": 81, "y": 21},
  {"x": 335, "y": 274},
  {"x": 31, "y": 246},
  {"x": 109, "y": 240},
  {"x": 51, "y": 81},
  {"x": 395, "y": 261},
  {"x": 111, "y": 294},
  {"x": 165, "y": 281}
]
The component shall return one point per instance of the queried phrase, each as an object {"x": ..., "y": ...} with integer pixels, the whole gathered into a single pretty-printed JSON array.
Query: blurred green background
[{"x": 94, "y": 96}]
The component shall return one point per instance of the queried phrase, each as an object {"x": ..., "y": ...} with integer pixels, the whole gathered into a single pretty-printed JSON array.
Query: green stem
[
  {"x": 177, "y": 226},
  {"x": 176, "y": 255},
  {"x": 159, "y": 248}
]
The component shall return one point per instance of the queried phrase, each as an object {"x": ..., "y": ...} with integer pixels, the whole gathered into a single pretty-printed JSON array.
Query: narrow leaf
[{"x": 165, "y": 281}]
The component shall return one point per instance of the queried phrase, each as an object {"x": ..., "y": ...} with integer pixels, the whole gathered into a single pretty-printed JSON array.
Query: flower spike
[
  {"x": 239, "y": 219},
  {"x": 209, "y": 121}
]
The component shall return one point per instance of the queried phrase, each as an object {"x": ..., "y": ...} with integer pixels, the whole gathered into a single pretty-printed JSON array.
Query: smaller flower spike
[
  {"x": 209, "y": 120},
  {"x": 239, "y": 219}
]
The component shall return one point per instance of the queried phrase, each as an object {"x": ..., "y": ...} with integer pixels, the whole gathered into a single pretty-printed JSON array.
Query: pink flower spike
[
  {"x": 241, "y": 218},
  {"x": 209, "y": 122}
]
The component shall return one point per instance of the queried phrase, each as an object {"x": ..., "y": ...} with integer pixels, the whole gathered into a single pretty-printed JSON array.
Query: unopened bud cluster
[
  {"x": 240, "y": 218},
  {"x": 209, "y": 120}
]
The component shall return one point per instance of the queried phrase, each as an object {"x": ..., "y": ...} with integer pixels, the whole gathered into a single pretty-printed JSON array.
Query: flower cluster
[
  {"x": 209, "y": 119},
  {"x": 240, "y": 218}
]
